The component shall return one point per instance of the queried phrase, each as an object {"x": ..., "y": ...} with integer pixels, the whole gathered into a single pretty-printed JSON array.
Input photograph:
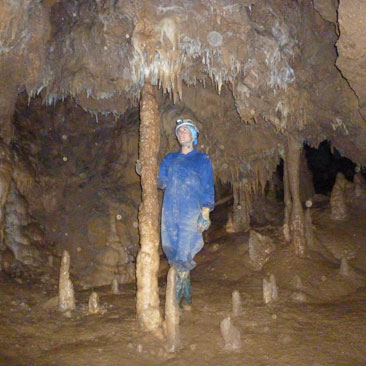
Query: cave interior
[{"x": 276, "y": 88}]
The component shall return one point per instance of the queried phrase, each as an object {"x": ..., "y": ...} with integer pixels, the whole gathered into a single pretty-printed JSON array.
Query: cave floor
[{"x": 329, "y": 328}]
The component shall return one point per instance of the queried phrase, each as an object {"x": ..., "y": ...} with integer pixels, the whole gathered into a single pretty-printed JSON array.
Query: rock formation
[
  {"x": 66, "y": 299},
  {"x": 337, "y": 199},
  {"x": 236, "y": 304},
  {"x": 93, "y": 304},
  {"x": 231, "y": 335},
  {"x": 270, "y": 291},
  {"x": 172, "y": 330},
  {"x": 260, "y": 248}
]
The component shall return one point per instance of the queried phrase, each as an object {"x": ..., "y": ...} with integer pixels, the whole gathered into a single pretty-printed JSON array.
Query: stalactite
[
  {"x": 297, "y": 221},
  {"x": 148, "y": 311}
]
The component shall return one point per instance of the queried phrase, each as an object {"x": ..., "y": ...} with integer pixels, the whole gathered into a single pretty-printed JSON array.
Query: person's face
[{"x": 184, "y": 135}]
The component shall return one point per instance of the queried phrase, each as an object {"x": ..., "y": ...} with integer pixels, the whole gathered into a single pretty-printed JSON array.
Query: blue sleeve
[
  {"x": 163, "y": 174},
  {"x": 207, "y": 182}
]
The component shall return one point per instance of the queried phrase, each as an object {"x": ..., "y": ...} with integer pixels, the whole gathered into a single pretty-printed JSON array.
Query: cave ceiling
[{"x": 275, "y": 67}]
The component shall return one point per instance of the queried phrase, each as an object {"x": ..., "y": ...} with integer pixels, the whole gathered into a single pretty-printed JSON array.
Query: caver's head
[{"x": 186, "y": 132}]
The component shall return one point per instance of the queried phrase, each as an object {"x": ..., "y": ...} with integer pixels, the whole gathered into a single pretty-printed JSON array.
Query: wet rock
[
  {"x": 231, "y": 335},
  {"x": 337, "y": 199},
  {"x": 270, "y": 291},
  {"x": 260, "y": 248},
  {"x": 66, "y": 299},
  {"x": 94, "y": 307},
  {"x": 236, "y": 304}
]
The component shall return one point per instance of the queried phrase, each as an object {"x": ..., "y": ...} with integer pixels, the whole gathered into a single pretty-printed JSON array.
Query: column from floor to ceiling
[
  {"x": 287, "y": 200},
  {"x": 8, "y": 98},
  {"x": 297, "y": 219},
  {"x": 148, "y": 311}
]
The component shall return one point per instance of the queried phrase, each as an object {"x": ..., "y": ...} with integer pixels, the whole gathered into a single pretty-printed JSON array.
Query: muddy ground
[{"x": 326, "y": 325}]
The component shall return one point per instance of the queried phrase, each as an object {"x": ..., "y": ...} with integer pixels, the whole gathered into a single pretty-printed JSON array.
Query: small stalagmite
[
  {"x": 345, "y": 269},
  {"x": 231, "y": 335},
  {"x": 337, "y": 199},
  {"x": 236, "y": 311},
  {"x": 94, "y": 307},
  {"x": 260, "y": 248},
  {"x": 359, "y": 183},
  {"x": 309, "y": 230},
  {"x": 172, "y": 313},
  {"x": 270, "y": 291},
  {"x": 66, "y": 298},
  {"x": 115, "y": 286}
]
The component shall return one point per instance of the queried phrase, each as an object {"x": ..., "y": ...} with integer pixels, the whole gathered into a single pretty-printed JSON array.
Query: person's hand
[
  {"x": 203, "y": 222},
  {"x": 138, "y": 167}
]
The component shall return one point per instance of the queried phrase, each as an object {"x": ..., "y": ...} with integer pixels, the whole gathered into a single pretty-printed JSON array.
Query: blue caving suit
[{"x": 188, "y": 183}]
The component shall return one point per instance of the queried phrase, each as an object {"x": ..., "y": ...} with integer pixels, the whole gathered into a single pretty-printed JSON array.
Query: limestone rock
[
  {"x": 260, "y": 248},
  {"x": 327, "y": 9},
  {"x": 231, "y": 335}
]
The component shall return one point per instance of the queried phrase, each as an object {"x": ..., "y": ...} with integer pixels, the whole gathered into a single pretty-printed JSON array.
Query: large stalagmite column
[
  {"x": 297, "y": 219},
  {"x": 148, "y": 311},
  {"x": 8, "y": 98},
  {"x": 287, "y": 199}
]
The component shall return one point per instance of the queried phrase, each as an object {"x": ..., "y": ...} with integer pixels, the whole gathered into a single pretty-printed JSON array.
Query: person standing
[{"x": 186, "y": 177}]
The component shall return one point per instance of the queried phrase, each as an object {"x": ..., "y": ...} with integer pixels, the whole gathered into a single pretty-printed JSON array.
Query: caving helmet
[{"x": 192, "y": 128}]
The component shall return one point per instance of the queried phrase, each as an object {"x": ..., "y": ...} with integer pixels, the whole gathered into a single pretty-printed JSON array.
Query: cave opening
[{"x": 325, "y": 163}]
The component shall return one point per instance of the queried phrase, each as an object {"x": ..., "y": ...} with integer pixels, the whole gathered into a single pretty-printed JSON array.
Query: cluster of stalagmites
[
  {"x": 66, "y": 294},
  {"x": 346, "y": 194}
]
